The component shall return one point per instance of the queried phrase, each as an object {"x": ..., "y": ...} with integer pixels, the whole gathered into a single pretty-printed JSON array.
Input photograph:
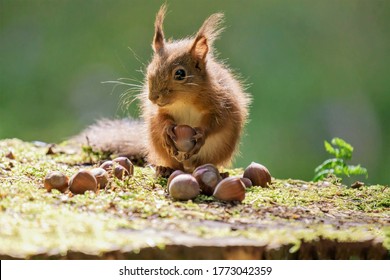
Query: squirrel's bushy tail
[{"x": 120, "y": 137}]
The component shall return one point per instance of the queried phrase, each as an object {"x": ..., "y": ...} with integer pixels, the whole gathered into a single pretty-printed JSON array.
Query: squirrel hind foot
[{"x": 162, "y": 171}]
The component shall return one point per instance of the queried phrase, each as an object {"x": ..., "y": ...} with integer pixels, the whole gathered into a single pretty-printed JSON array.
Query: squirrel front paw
[{"x": 169, "y": 141}]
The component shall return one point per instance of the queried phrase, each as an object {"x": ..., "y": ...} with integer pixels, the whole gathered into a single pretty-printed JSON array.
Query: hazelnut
[
  {"x": 184, "y": 187},
  {"x": 258, "y": 174},
  {"x": 120, "y": 172},
  {"x": 230, "y": 189},
  {"x": 173, "y": 175},
  {"x": 107, "y": 165},
  {"x": 246, "y": 181},
  {"x": 101, "y": 177},
  {"x": 126, "y": 163},
  {"x": 184, "y": 134},
  {"x": 82, "y": 181},
  {"x": 208, "y": 177},
  {"x": 56, "y": 180}
]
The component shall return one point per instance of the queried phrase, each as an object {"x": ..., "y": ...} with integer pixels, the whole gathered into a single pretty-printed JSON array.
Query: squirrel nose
[{"x": 154, "y": 96}]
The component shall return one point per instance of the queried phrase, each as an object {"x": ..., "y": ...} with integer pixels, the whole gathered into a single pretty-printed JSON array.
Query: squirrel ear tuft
[
  {"x": 206, "y": 35},
  {"x": 158, "y": 40}
]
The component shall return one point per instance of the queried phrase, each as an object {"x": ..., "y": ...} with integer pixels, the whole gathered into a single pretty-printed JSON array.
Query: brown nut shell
[
  {"x": 101, "y": 177},
  {"x": 247, "y": 182},
  {"x": 82, "y": 181},
  {"x": 173, "y": 175},
  {"x": 56, "y": 180},
  {"x": 107, "y": 165},
  {"x": 230, "y": 189},
  {"x": 184, "y": 187},
  {"x": 120, "y": 172},
  {"x": 208, "y": 177},
  {"x": 126, "y": 163},
  {"x": 258, "y": 174},
  {"x": 184, "y": 134}
]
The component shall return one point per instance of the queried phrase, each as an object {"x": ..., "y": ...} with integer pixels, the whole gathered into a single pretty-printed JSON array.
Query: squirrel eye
[{"x": 180, "y": 75}]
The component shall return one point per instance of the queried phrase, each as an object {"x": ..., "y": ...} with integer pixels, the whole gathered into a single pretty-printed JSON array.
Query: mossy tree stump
[{"x": 136, "y": 218}]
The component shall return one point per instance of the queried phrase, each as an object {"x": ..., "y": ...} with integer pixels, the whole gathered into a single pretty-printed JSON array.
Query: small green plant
[{"x": 342, "y": 152}]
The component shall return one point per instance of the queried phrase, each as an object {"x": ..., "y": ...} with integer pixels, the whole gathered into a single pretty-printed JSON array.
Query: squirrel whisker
[
  {"x": 192, "y": 84},
  {"x": 130, "y": 79},
  {"x": 122, "y": 83}
]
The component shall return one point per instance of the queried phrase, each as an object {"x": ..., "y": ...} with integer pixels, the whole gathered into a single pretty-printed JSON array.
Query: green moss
[{"x": 138, "y": 213}]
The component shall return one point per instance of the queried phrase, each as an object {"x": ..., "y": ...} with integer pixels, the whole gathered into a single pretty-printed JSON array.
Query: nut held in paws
[{"x": 184, "y": 141}]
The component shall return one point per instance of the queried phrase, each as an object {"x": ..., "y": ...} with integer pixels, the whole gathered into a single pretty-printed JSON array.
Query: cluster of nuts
[
  {"x": 90, "y": 180},
  {"x": 207, "y": 180}
]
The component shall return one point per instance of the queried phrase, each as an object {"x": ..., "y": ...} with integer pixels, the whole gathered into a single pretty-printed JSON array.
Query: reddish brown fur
[{"x": 210, "y": 99}]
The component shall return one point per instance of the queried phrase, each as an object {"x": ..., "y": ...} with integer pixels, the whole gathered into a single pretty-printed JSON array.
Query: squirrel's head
[{"x": 178, "y": 68}]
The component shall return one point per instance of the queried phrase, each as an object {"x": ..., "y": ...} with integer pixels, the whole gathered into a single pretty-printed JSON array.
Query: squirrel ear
[
  {"x": 200, "y": 48},
  {"x": 158, "y": 40},
  {"x": 206, "y": 35}
]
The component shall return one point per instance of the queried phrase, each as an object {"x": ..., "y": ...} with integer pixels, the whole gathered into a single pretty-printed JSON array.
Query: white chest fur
[{"x": 184, "y": 114}]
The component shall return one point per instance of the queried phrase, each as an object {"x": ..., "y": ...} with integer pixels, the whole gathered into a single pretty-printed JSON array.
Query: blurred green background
[{"x": 316, "y": 69}]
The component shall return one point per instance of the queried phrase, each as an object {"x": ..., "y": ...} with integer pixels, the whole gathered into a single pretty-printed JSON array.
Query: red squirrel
[{"x": 185, "y": 84}]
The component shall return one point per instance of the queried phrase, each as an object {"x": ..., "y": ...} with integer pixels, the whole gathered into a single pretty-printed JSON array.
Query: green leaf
[
  {"x": 357, "y": 170},
  {"x": 329, "y": 148},
  {"x": 321, "y": 175},
  {"x": 345, "y": 149},
  {"x": 342, "y": 151},
  {"x": 329, "y": 163}
]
